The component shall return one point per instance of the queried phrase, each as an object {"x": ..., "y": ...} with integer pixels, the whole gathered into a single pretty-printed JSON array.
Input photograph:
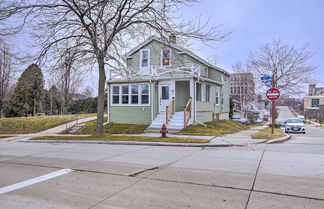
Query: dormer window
[
  {"x": 166, "y": 57},
  {"x": 145, "y": 58}
]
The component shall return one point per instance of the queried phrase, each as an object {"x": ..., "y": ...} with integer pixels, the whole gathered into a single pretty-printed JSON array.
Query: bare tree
[
  {"x": 239, "y": 67},
  {"x": 6, "y": 73},
  {"x": 288, "y": 64},
  {"x": 67, "y": 75},
  {"x": 98, "y": 29}
]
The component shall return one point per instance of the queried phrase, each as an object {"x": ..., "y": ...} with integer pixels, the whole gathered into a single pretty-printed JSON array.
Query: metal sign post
[{"x": 273, "y": 94}]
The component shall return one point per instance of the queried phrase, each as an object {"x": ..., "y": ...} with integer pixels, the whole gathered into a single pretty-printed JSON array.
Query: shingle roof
[{"x": 175, "y": 46}]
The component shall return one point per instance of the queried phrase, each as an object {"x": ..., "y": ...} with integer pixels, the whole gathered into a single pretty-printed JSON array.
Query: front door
[{"x": 164, "y": 96}]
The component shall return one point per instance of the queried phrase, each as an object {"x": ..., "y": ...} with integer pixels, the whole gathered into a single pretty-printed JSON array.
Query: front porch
[{"x": 175, "y": 105}]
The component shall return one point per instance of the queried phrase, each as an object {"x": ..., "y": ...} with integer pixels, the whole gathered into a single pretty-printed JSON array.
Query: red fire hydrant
[{"x": 164, "y": 131}]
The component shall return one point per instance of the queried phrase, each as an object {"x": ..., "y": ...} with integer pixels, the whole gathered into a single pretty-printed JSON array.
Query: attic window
[
  {"x": 166, "y": 57},
  {"x": 145, "y": 56}
]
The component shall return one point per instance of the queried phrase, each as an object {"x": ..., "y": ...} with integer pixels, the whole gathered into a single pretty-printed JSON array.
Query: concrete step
[{"x": 75, "y": 128}]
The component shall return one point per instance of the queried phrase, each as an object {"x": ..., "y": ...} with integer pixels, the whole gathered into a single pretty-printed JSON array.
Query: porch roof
[{"x": 147, "y": 79}]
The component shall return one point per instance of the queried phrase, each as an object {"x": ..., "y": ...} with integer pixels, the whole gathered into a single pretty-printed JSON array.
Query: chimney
[
  {"x": 311, "y": 90},
  {"x": 172, "y": 39}
]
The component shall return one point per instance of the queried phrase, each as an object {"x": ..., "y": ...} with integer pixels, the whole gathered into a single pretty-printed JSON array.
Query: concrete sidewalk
[{"x": 241, "y": 138}]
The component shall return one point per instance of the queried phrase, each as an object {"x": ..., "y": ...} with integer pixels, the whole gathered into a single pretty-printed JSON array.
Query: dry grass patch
[
  {"x": 124, "y": 138},
  {"x": 215, "y": 128},
  {"x": 113, "y": 128},
  {"x": 266, "y": 134},
  {"x": 27, "y": 125}
]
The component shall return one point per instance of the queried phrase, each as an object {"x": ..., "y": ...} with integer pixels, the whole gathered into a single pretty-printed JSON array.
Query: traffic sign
[
  {"x": 266, "y": 77},
  {"x": 267, "y": 80},
  {"x": 273, "y": 94}
]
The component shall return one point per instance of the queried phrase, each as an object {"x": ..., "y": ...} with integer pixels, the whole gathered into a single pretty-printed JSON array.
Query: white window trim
[
  {"x": 130, "y": 95},
  {"x": 161, "y": 58},
  {"x": 149, "y": 59}
]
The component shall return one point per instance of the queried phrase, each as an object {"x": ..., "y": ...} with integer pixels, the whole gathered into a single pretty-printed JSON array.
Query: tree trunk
[
  {"x": 101, "y": 96},
  {"x": 34, "y": 111}
]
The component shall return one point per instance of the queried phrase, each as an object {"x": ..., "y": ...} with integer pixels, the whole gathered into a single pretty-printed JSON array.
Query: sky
[{"x": 255, "y": 22}]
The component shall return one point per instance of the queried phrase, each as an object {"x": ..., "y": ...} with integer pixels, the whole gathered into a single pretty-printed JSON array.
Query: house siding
[
  {"x": 214, "y": 75},
  {"x": 204, "y": 111},
  {"x": 130, "y": 115},
  {"x": 182, "y": 94},
  {"x": 155, "y": 56}
]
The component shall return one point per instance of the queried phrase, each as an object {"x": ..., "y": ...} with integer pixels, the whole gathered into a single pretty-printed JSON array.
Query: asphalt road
[{"x": 288, "y": 175}]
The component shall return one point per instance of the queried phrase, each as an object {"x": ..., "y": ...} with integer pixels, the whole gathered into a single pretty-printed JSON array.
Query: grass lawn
[
  {"x": 266, "y": 134},
  {"x": 215, "y": 128},
  {"x": 107, "y": 137},
  {"x": 113, "y": 128},
  {"x": 27, "y": 125}
]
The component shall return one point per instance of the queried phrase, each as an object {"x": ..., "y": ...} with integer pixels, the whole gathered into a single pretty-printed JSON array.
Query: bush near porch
[
  {"x": 214, "y": 128},
  {"x": 113, "y": 128}
]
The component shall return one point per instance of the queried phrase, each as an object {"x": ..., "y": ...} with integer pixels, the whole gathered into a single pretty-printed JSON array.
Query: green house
[{"x": 167, "y": 84}]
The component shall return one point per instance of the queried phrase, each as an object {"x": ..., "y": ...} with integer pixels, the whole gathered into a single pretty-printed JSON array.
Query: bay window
[{"x": 130, "y": 94}]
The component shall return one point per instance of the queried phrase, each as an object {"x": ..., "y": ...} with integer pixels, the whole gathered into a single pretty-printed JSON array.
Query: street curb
[
  {"x": 278, "y": 140},
  {"x": 138, "y": 143}
]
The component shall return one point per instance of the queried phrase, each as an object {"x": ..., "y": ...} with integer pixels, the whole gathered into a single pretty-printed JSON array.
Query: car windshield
[{"x": 294, "y": 121}]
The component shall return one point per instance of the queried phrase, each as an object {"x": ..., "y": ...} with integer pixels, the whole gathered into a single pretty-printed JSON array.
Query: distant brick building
[
  {"x": 242, "y": 87},
  {"x": 314, "y": 102}
]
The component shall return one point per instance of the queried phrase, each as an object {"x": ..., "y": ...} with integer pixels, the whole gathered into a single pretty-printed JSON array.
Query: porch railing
[
  {"x": 170, "y": 111},
  {"x": 187, "y": 113}
]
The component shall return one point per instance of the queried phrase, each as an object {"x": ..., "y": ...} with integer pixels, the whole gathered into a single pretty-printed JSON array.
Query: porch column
[{"x": 192, "y": 85}]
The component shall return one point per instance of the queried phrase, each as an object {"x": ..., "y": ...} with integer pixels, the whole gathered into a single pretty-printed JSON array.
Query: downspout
[
  {"x": 195, "y": 99},
  {"x": 152, "y": 100},
  {"x": 108, "y": 103}
]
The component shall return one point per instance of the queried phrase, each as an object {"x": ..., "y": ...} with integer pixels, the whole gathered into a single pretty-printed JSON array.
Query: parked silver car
[{"x": 295, "y": 125}]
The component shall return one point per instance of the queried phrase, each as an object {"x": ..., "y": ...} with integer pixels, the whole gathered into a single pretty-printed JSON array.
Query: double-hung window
[
  {"x": 208, "y": 97},
  {"x": 315, "y": 102},
  {"x": 115, "y": 95},
  {"x": 217, "y": 95},
  {"x": 125, "y": 96},
  {"x": 134, "y": 94},
  {"x": 166, "y": 57},
  {"x": 144, "y": 94},
  {"x": 145, "y": 58}
]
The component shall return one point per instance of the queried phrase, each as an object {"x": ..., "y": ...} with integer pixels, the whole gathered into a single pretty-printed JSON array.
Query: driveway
[{"x": 288, "y": 175}]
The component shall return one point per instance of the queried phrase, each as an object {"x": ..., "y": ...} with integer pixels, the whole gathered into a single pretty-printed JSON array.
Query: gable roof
[{"x": 175, "y": 46}]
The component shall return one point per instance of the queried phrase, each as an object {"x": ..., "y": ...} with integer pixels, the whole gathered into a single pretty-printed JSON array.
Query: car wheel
[{"x": 304, "y": 132}]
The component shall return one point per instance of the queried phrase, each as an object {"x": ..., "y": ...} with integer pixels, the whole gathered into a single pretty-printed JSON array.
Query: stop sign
[{"x": 273, "y": 94}]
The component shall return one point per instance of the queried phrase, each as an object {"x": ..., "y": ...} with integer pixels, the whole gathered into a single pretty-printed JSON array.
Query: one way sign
[{"x": 267, "y": 80}]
